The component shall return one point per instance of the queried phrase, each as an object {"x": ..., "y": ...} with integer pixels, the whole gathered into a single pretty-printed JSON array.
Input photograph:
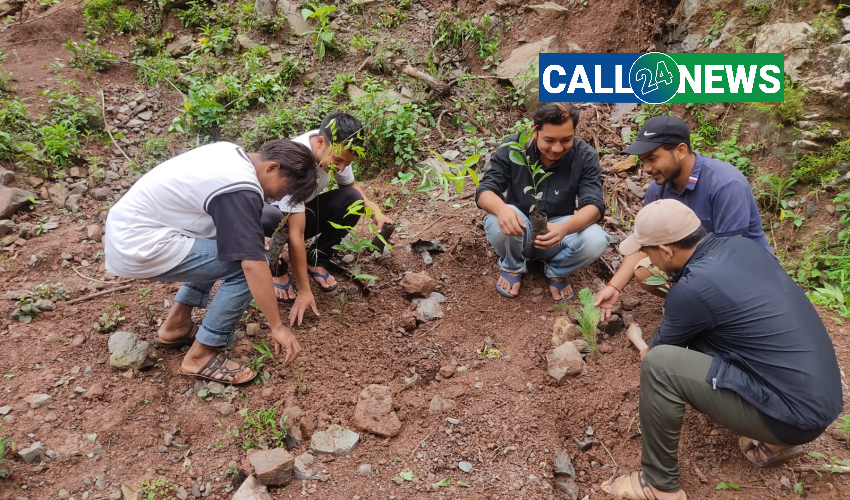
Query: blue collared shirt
[{"x": 720, "y": 196}]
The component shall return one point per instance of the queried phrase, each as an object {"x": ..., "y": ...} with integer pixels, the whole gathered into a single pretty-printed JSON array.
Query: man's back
[{"x": 734, "y": 301}]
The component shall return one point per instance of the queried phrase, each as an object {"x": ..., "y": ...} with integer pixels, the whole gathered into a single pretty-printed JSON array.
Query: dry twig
[
  {"x": 106, "y": 125},
  {"x": 98, "y": 294}
]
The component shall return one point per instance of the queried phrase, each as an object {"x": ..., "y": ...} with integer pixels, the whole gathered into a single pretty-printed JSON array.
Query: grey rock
[
  {"x": 182, "y": 494},
  {"x": 196, "y": 492},
  {"x": 128, "y": 352},
  {"x": 430, "y": 308},
  {"x": 5, "y": 410},
  {"x": 795, "y": 40},
  {"x": 635, "y": 189},
  {"x": 626, "y": 134},
  {"x": 72, "y": 203},
  {"x": 453, "y": 421},
  {"x": 180, "y": 47},
  {"x": 521, "y": 59},
  {"x": 568, "y": 487},
  {"x": 135, "y": 123},
  {"x": 846, "y": 24},
  {"x": 811, "y": 207},
  {"x": 6, "y": 227},
  {"x": 100, "y": 483},
  {"x": 272, "y": 467},
  {"x": 145, "y": 115},
  {"x": 465, "y": 467},
  {"x": 563, "y": 465},
  {"x": 102, "y": 194},
  {"x": 336, "y": 440},
  {"x": 38, "y": 400},
  {"x": 374, "y": 412},
  {"x": 244, "y": 42},
  {"x": 6, "y": 177},
  {"x": 45, "y": 305},
  {"x": 565, "y": 361},
  {"x": 63, "y": 493},
  {"x": 806, "y": 145},
  {"x": 365, "y": 469},
  {"x": 583, "y": 444},
  {"x": 286, "y": 8},
  {"x": 33, "y": 454},
  {"x": 303, "y": 470},
  {"x": 439, "y": 403},
  {"x": 12, "y": 200}
]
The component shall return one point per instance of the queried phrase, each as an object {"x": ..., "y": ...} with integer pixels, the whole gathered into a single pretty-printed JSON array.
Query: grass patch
[{"x": 260, "y": 429}]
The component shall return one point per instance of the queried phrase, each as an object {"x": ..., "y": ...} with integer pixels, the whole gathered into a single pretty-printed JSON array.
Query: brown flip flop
[
  {"x": 187, "y": 339},
  {"x": 633, "y": 487},
  {"x": 763, "y": 457},
  {"x": 216, "y": 371}
]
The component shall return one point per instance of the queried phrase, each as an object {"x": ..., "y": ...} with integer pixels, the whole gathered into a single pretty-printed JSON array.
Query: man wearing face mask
[
  {"x": 571, "y": 196},
  {"x": 716, "y": 191}
]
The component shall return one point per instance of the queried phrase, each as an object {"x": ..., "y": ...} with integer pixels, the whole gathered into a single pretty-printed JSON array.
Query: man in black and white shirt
[
  {"x": 332, "y": 146},
  {"x": 196, "y": 219}
]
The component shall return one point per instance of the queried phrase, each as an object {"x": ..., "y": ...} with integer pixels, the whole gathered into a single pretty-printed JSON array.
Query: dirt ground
[{"x": 512, "y": 418}]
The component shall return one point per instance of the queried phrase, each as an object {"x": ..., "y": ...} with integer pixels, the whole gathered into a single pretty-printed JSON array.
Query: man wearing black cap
[{"x": 716, "y": 191}]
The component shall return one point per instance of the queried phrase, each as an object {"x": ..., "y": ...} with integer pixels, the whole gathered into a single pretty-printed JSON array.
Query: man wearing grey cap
[
  {"x": 739, "y": 342},
  {"x": 716, "y": 191}
]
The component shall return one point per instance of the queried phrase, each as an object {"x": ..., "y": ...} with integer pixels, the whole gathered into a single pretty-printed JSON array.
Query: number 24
[{"x": 650, "y": 83}]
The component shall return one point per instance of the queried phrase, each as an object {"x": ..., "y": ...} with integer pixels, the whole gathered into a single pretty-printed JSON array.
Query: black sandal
[
  {"x": 187, "y": 339},
  {"x": 216, "y": 371}
]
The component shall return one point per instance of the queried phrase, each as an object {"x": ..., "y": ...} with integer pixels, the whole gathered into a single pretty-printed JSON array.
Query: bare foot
[
  {"x": 200, "y": 354},
  {"x": 284, "y": 294},
  {"x": 328, "y": 282},
  {"x": 633, "y": 486},
  {"x": 564, "y": 293},
  {"x": 505, "y": 285},
  {"x": 177, "y": 324}
]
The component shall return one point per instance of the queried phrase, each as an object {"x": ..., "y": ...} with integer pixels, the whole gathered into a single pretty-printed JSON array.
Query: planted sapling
[
  {"x": 588, "y": 319},
  {"x": 538, "y": 218}
]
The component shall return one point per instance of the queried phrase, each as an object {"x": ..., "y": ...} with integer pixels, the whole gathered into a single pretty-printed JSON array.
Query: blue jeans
[
  {"x": 576, "y": 251},
  {"x": 199, "y": 271}
]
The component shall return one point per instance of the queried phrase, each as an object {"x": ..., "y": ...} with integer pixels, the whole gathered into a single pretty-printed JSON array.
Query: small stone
[
  {"x": 225, "y": 408},
  {"x": 5, "y": 410},
  {"x": 101, "y": 194},
  {"x": 465, "y": 467},
  {"x": 45, "y": 305},
  {"x": 135, "y": 123},
  {"x": 563, "y": 331},
  {"x": 38, "y": 400},
  {"x": 32, "y": 454},
  {"x": 63, "y": 493},
  {"x": 563, "y": 465},
  {"x": 276, "y": 58},
  {"x": 100, "y": 483},
  {"x": 272, "y": 467},
  {"x": 95, "y": 391},
  {"x": 51, "y": 417},
  {"x": 836, "y": 434},
  {"x": 583, "y": 444},
  {"x": 145, "y": 115},
  {"x": 567, "y": 486},
  {"x": 565, "y": 361},
  {"x": 447, "y": 371},
  {"x": 197, "y": 492},
  {"x": 430, "y": 308},
  {"x": 128, "y": 352},
  {"x": 418, "y": 284},
  {"x": 635, "y": 189},
  {"x": 94, "y": 232},
  {"x": 182, "y": 494},
  {"x": 374, "y": 412},
  {"x": 303, "y": 470},
  {"x": 830, "y": 209},
  {"x": 336, "y": 440},
  {"x": 589, "y": 430},
  {"x": 251, "y": 489},
  {"x": 252, "y": 329},
  {"x": 365, "y": 469},
  {"x": 439, "y": 403},
  {"x": 453, "y": 421}
]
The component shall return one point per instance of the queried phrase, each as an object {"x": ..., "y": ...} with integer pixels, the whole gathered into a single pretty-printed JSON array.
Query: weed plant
[{"x": 260, "y": 429}]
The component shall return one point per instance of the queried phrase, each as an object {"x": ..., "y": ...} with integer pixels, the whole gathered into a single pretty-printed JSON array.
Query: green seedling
[
  {"x": 403, "y": 476},
  {"x": 588, "y": 319}
]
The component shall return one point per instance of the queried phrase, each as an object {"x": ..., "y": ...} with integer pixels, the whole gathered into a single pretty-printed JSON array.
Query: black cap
[{"x": 658, "y": 130}]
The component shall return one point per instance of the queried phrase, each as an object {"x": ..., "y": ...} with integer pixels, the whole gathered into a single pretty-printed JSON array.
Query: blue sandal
[
  {"x": 317, "y": 274},
  {"x": 560, "y": 285},
  {"x": 285, "y": 288},
  {"x": 512, "y": 280}
]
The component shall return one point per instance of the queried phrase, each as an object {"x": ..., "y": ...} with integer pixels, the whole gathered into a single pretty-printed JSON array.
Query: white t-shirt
[
  {"x": 152, "y": 228},
  {"x": 343, "y": 178}
]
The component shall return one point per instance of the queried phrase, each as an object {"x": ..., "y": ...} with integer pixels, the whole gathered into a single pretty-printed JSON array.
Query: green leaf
[
  {"x": 516, "y": 157},
  {"x": 730, "y": 485},
  {"x": 202, "y": 393},
  {"x": 445, "y": 482},
  {"x": 366, "y": 277},
  {"x": 472, "y": 160},
  {"x": 463, "y": 485},
  {"x": 816, "y": 454},
  {"x": 306, "y": 13},
  {"x": 527, "y": 189},
  {"x": 407, "y": 475}
]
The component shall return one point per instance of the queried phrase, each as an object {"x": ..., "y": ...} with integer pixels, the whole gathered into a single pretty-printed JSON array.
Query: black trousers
[{"x": 328, "y": 207}]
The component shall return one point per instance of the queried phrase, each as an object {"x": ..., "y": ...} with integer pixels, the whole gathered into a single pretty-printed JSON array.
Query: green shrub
[
  {"x": 98, "y": 15},
  {"x": 454, "y": 31},
  {"x": 820, "y": 168},
  {"x": 759, "y": 12},
  {"x": 60, "y": 143},
  {"x": 126, "y": 21},
  {"x": 89, "y": 55},
  {"x": 791, "y": 109},
  {"x": 194, "y": 15}
]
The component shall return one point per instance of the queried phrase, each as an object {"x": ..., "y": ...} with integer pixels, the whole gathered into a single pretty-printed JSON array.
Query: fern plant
[{"x": 588, "y": 319}]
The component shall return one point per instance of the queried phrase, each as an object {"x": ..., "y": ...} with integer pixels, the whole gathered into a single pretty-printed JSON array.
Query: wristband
[{"x": 614, "y": 287}]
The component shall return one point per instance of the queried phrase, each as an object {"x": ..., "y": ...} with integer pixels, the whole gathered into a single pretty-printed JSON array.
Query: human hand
[
  {"x": 282, "y": 337},
  {"x": 511, "y": 222},
  {"x": 605, "y": 300},
  {"x": 557, "y": 232},
  {"x": 303, "y": 301}
]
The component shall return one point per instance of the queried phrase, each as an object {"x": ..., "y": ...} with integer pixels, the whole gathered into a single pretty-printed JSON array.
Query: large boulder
[
  {"x": 795, "y": 40},
  {"x": 129, "y": 352},
  {"x": 12, "y": 200},
  {"x": 830, "y": 77},
  {"x": 521, "y": 60},
  {"x": 374, "y": 412}
]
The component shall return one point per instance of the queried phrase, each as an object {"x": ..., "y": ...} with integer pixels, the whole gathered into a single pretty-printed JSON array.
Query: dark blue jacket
[{"x": 733, "y": 301}]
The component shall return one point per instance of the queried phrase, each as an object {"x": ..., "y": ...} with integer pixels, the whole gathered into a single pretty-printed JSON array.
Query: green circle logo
[{"x": 654, "y": 78}]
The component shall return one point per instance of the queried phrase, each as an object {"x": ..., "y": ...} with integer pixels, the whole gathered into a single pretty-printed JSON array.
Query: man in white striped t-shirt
[{"x": 196, "y": 219}]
